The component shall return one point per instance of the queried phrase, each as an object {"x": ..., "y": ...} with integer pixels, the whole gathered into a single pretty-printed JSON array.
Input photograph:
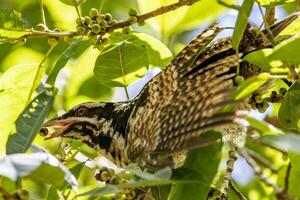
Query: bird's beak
[{"x": 61, "y": 125}]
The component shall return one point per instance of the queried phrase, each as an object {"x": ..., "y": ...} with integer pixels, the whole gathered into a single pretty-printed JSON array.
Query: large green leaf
[
  {"x": 85, "y": 87},
  {"x": 159, "y": 55},
  {"x": 41, "y": 167},
  {"x": 272, "y": 60},
  {"x": 289, "y": 111},
  {"x": 250, "y": 85},
  {"x": 11, "y": 19},
  {"x": 241, "y": 23},
  {"x": 29, "y": 123},
  {"x": 62, "y": 61},
  {"x": 204, "y": 162},
  {"x": 287, "y": 50},
  {"x": 267, "y": 3},
  {"x": 290, "y": 30},
  {"x": 121, "y": 64},
  {"x": 73, "y": 2},
  {"x": 184, "y": 18},
  {"x": 15, "y": 86},
  {"x": 286, "y": 142},
  {"x": 294, "y": 183},
  {"x": 11, "y": 24}
]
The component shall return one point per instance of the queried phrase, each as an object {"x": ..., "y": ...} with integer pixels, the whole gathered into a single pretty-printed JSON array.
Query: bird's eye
[{"x": 81, "y": 111}]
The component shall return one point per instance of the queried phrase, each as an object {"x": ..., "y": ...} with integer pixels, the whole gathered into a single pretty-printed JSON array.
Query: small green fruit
[
  {"x": 24, "y": 195},
  {"x": 41, "y": 27},
  {"x": 104, "y": 176},
  {"x": 113, "y": 22},
  {"x": 80, "y": 29},
  {"x": 239, "y": 80},
  {"x": 141, "y": 23},
  {"x": 103, "y": 23},
  {"x": 132, "y": 12},
  {"x": 96, "y": 28},
  {"x": 126, "y": 30},
  {"x": 100, "y": 17},
  {"x": 104, "y": 40},
  {"x": 68, "y": 39},
  {"x": 52, "y": 41},
  {"x": 282, "y": 91},
  {"x": 80, "y": 21},
  {"x": 115, "y": 180},
  {"x": 87, "y": 20},
  {"x": 93, "y": 13},
  {"x": 108, "y": 17},
  {"x": 90, "y": 34},
  {"x": 132, "y": 19},
  {"x": 22, "y": 41}
]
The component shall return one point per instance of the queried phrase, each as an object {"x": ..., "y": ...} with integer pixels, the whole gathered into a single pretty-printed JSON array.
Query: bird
[{"x": 174, "y": 109}]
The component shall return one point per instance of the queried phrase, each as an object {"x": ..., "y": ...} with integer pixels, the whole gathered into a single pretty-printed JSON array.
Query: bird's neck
[{"x": 111, "y": 139}]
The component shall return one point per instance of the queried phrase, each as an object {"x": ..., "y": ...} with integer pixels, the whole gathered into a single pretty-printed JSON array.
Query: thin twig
[
  {"x": 42, "y": 12},
  {"x": 258, "y": 172},
  {"x": 37, "y": 73},
  {"x": 260, "y": 159},
  {"x": 236, "y": 191},
  {"x": 286, "y": 179},
  {"x": 267, "y": 145},
  {"x": 159, "y": 11},
  {"x": 232, "y": 157},
  {"x": 77, "y": 11},
  {"x": 101, "y": 6}
]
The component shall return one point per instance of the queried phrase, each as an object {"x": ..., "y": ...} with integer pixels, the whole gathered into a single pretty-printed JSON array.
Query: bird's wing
[{"x": 184, "y": 100}]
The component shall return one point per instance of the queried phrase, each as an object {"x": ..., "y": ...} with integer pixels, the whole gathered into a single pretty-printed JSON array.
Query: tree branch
[{"x": 50, "y": 33}]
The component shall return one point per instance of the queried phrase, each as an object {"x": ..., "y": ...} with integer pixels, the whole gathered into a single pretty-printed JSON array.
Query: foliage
[{"x": 92, "y": 50}]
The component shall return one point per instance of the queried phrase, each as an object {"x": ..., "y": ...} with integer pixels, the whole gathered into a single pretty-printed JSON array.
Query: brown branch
[
  {"x": 260, "y": 159},
  {"x": 236, "y": 191},
  {"x": 109, "y": 29},
  {"x": 258, "y": 172}
]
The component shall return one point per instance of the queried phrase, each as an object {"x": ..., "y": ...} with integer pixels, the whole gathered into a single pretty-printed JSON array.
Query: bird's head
[
  {"x": 95, "y": 124},
  {"x": 86, "y": 119}
]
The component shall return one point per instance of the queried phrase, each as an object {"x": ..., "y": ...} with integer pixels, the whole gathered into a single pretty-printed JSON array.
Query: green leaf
[
  {"x": 294, "y": 183},
  {"x": 184, "y": 18},
  {"x": 62, "y": 61},
  {"x": 287, "y": 50},
  {"x": 241, "y": 23},
  {"x": 29, "y": 123},
  {"x": 272, "y": 60},
  {"x": 286, "y": 142},
  {"x": 15, "y": 86},
  {"x": 250, "y": 85},
  {"x": 203, "y": 161},
  {"x": 52, "y": 194},
  {"x": 259, "y": 58},
  {"x": 41, "y": 167},
  {"x": 268, "y": 3},
  {"x": 264, "y": 127},
  {"x": 101, "y": 191},
  {"x": 73, "y": 2},
  {"x": 159, "y": 55},
  {"x": 164, "y": 173},
  {"x": 289, "y": 111},
  {"x": 290, "y": 30},
  {"x": 11, "y": 19},
  {"x": 85, "y": 87},
  {"x": 122, "y": 64}
]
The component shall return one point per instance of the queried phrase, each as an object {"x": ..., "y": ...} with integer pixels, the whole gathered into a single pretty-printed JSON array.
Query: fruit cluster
[
  {"x": 109, "y": 176},
  {"x": 261, "y": 104},
  {"x": 94, "y": 26}
]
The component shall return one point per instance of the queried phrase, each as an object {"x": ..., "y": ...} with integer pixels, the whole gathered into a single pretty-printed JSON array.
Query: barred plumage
[{"x": 173, "y": 110}]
